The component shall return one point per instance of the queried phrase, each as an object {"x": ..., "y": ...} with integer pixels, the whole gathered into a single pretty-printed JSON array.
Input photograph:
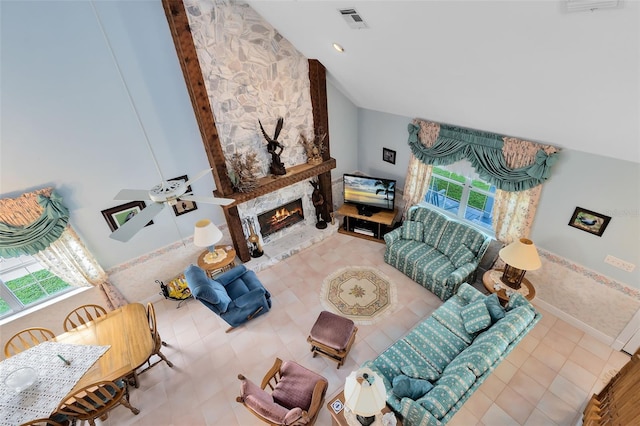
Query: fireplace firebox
[{"x": 281, "y": 217}]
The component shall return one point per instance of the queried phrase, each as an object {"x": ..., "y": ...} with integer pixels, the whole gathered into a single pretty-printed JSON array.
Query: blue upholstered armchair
[{"x": 236, "y": 295}]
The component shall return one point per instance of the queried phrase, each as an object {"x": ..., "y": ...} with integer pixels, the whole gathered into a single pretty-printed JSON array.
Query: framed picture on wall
[
  {"x": 117, "y": 216},
  {"x": 592, "y": 222},
  {"x": 184, "y": 206},
  {"x": 389, "y": 155}
]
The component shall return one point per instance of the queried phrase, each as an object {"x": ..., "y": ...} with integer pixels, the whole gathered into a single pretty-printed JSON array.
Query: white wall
[
  {"x": 67, "y": 121},
  {"x": 343, "y": 131},
  {"x": 593, "y": 182},
  {"x": 604, "y": 185},
  {"x": 377, "y": 130}
]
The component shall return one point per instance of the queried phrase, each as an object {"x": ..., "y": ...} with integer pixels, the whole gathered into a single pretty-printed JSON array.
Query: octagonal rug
[{"x": 361, "y": 293}]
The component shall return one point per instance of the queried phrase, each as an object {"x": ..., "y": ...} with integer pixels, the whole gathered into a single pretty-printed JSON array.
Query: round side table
[
  {"x": 225, "y": 261},
  {"x": 493, "y": 283}
]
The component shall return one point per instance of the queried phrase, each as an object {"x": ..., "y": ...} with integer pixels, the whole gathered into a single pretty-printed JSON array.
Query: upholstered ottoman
[{"x": 332, "y": 336}]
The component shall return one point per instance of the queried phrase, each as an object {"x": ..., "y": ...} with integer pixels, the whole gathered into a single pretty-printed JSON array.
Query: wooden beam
[{"x": 188, "y": 58}]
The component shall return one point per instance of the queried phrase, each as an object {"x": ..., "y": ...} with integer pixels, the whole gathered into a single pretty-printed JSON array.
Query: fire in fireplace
[{"x": 281, "y": 217}]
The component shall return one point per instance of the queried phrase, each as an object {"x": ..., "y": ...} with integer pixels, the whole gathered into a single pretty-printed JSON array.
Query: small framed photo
[
  {"x": 389, "y": 155},
  {"x": 117, "y": 216},
  {"x": 184, "y": 206},
  {"x": 592, "y": 222}
]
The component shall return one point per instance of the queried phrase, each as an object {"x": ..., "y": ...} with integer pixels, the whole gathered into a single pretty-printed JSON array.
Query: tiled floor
[{"x": 544, "y": 381}]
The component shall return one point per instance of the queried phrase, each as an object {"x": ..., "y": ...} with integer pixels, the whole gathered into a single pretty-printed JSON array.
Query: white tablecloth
[{"x": 55, "y": 379}]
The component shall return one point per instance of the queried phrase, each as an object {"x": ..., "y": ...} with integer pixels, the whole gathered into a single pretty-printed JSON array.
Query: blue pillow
[
  {"x": 412, "y": 230},
  {"x": 423, "y": 372},
  {"x": 496, "y": 311},
  {"x": 404, "y": 386},
  {"x": 475, "y": 316}
]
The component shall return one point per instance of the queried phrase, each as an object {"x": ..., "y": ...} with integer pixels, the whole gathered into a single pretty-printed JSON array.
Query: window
[
  {"x": 24, "y": 283},
  {"x": 468, "y": 199}
]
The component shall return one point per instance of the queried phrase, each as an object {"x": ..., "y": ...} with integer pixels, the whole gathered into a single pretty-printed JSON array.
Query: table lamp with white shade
[
  {"x": 519, "y": 257},
  {"x": 206, "y": 234},
  {"x": 365, "y": 395}
]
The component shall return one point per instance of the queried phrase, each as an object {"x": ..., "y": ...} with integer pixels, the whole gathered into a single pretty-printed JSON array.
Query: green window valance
[
  {"x": 484, "y": 150},
  {"x": 38, "y": 235}
]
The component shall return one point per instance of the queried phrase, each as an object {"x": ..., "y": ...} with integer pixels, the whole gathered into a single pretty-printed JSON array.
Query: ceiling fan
[{"x": 161, "y": 195}]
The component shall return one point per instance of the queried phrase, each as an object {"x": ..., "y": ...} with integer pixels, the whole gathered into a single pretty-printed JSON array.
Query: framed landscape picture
[
  {"x": 117, "y": 216},
  {"x": 592, "y": 222},
  {"x": 184, "y": 206},
  {"x": 389, "y": 155}
]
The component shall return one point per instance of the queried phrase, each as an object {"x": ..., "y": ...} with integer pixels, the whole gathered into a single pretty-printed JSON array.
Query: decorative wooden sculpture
[
  {"x": 255, "y": 248},
  {"x": 275, "y": 148},
  {"x": 318, "y": 202},
  {"x": 314, "y": 147}
]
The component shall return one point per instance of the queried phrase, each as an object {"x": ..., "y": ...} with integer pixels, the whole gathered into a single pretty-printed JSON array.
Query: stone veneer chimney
[{"x": 252, "y": 73}]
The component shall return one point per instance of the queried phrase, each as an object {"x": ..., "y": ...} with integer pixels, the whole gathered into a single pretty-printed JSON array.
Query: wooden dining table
[
  {"x": 108, "y": 348},
  {"x": 126, "y": 331}
]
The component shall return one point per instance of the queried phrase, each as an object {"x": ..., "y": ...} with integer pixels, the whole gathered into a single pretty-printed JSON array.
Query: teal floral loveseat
[
  {"x": 437, "y": 252},
  {"x": 437, "y": 365}
]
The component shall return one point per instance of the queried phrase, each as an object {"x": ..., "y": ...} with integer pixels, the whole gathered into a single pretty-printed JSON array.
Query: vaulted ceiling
[{"x": 528, "y": 69}]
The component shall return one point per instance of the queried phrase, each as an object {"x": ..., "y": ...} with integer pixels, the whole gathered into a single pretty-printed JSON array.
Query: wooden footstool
[{"x": 332, "y": 336}]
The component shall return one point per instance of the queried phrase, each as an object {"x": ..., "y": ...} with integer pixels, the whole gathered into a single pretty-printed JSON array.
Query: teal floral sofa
[
  {"x": 437, "y": 252},
  {"x": 437, "y": 365}
]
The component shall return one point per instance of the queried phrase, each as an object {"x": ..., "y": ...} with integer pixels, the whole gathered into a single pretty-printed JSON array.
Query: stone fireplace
[
  {"x": 281, "y": 217},
  {"x": 242, "y": 71}
]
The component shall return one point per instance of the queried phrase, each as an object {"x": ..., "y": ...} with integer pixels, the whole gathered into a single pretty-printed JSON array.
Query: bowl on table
[{"x": 21, "y": 379}]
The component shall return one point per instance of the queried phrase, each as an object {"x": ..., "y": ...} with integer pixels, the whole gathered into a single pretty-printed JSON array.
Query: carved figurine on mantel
[
  {"x": 314, "y": 147},
  {"x": 275, "y": 148},
  {"x": 318, "y": 202}
]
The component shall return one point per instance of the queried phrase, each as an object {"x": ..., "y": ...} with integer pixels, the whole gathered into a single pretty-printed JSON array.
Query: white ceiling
[{"x": 520, "y": 68}]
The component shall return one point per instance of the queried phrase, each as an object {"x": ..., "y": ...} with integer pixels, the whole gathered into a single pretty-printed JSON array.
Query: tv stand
[
  {"x": 367, "y": 211},
  {"x": 370, "y": 227}
]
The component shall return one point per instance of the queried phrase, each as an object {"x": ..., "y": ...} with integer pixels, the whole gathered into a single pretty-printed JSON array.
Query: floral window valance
[
  {"x": 31, "y": 222},
  {"x": 497, "y": 159}
]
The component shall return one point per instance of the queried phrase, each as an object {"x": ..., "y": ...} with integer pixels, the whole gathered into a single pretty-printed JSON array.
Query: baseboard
[{"x": 597, "y": 334}]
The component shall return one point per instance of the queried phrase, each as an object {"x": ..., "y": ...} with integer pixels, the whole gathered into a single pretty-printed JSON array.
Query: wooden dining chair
[
  {"x": 158, "y": 343},
  {"x": 26, "y": 339},
  {"x": 96, "y": 400},
  {"x": 82, "y": 315},
  {"x": 46, "y": 422}
]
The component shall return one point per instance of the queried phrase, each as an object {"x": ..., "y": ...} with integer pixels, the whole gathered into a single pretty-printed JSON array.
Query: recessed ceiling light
[{"x": 338, "y": 47}]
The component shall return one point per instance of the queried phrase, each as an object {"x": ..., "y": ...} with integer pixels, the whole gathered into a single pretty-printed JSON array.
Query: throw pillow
[
  {"x": 475, "y": 316},
  {"x": 412, "y": 230},
  {"x": 425, "y": 373},
  {"x": 460, "y": 256},
  {"x": 496, "y": 311},
  {"x": 404, "y": 386}
]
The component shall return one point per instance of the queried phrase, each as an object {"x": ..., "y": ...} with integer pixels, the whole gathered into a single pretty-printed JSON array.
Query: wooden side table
[
  {"x": 339, "y": 419},
  {"x": 225, "y": 261},
  {"x": 491, "y": 280}
]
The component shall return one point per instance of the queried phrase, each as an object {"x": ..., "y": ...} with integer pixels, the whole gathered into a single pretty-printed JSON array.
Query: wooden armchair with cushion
[{"x": 295, "y": 395}]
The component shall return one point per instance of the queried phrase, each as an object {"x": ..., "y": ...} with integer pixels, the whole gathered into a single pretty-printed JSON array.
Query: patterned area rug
[{"x": 363, "y": 294}]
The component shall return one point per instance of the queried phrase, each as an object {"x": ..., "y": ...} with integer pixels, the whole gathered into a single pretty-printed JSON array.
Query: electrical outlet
[{"x": 619, "y": 263}]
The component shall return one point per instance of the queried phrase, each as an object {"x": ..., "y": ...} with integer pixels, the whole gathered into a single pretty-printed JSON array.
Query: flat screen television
[{"x": 369, "y": 194}]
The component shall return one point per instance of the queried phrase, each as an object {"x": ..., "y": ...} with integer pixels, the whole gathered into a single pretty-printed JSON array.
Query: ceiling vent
[
  {"x": 584, "y": 5},
  {"x": 353, "y": 18}
]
